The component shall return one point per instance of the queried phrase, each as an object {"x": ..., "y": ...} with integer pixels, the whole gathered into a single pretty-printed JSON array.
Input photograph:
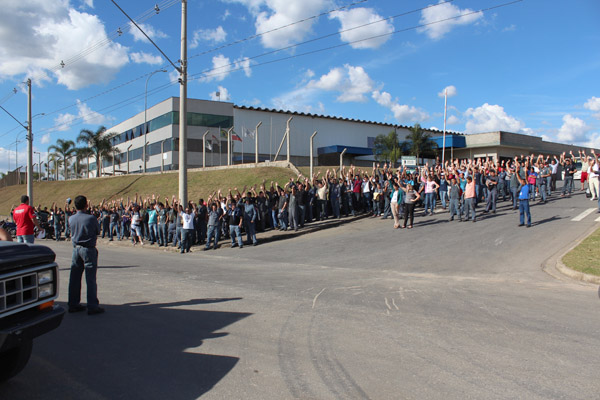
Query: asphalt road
[{"x": 446, "y": 310}]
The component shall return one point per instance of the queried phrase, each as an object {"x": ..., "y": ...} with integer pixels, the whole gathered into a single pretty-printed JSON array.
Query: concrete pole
[
  {"x": 114, "y": 173},
  {"x": 182, "y": 109},
  {"x": 342, "y": 161},
  {"x": 29, "y": 146},
  {"x": 204, "y": 148},
  {"x": 256, "y": 142},
  {"x": 229, "y": 145},
  {"x": 88, "y": 166},
  {"x": 287, "y": 132},
  {"x": 183, "y": 193},
  {"x": 311, "y": 155}
]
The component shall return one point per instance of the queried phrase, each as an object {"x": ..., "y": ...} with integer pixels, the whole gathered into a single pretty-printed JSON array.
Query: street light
[{"x": 145, "y": 116}]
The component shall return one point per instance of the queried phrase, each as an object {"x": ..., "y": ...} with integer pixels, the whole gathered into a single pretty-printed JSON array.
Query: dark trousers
[
  {"x": 409, "y": 212},
  {"x": 83, "y": 258}
]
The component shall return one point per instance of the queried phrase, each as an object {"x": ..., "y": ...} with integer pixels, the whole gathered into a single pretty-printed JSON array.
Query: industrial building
[{"x": 210, "y": 123}]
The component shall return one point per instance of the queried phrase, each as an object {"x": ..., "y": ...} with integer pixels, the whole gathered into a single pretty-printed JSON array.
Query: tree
[
  {"x": 83, "y": 153},
  {"x": 54, "y": 163},
  {"x": 387, "y": 147},
  {"x": 100, "y": 143},
  {"x": 63, "y": 150},
  {"x": 419, "y": 143}
]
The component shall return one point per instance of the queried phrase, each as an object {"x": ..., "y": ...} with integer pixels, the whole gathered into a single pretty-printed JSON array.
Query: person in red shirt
[{"x": 25, "y": 220}]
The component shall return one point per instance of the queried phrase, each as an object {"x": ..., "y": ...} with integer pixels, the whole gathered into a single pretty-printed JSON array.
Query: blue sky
[{"x": 531, "y": 66}]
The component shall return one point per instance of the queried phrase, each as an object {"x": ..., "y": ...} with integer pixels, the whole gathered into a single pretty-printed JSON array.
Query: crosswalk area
[{"x": 586, "y": 213}]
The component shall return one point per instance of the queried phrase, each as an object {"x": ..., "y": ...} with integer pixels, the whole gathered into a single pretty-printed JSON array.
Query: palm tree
[
  {"x": 100, "y": 143},
  {"x": 387, "y": 147},
  {"x": 55, "y": 160},
  {"x": 64, "y": 149},
  {"x": 83, "y": 153},
  {"x": 419, "y": 142}
]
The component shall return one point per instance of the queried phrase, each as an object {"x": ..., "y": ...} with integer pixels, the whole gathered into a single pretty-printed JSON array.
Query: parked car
[{"x": 28, "y": 289}]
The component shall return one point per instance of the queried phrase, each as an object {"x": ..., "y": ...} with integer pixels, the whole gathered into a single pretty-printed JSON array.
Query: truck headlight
[
  {"x": 46, "y": 290},
  {"x": 45, "y": 277}
]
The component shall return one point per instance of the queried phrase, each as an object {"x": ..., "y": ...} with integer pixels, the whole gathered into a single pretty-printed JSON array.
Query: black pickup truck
[{"x": 28, "y": 288}]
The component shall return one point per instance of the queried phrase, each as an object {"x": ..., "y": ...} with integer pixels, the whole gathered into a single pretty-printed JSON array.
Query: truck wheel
[{"x": 14, "y": 360}]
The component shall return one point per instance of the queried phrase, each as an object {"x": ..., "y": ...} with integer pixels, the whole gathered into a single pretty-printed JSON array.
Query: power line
[
  {"x": 204, "y": 73},
  {"x": 166, "y": 4},
  {"x": 335, "y": 34},
  {"x": 275, "y": 29}
]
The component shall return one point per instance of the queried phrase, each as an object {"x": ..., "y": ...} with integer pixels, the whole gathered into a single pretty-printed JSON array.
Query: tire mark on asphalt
[
  {"x": 288, "y": 359},
  {"x": 331, "y": 371}
]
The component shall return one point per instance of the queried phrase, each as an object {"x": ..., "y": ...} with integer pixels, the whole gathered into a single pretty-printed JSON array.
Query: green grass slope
[{"x": 200, "y": 185}]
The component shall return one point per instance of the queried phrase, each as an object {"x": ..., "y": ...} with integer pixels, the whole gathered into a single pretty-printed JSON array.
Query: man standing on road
[
  {"x": 524, "y": 198},
  {"x": 25, "y": 219},
  {"x": 84, "y": 232}
]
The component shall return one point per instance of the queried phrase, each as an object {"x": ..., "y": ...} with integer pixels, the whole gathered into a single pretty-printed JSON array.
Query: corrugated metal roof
[{"x": 272, "y": 110}]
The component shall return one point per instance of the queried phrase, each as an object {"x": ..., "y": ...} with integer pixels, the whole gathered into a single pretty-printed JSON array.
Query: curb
[{"x": 555, "y": 263}]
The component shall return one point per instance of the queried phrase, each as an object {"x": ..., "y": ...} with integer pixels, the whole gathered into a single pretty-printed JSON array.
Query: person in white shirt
[
  {"x": 187, "y": 231},
  {"x": 593, "y": 174}
]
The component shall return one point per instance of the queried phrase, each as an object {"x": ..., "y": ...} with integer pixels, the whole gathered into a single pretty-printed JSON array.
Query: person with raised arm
[{"x": 524, "y": 197}]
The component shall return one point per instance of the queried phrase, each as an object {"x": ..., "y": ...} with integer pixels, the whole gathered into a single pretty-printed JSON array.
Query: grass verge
[
  {"x": 586, "y": 256},
  {"x": 200, "y": 185}
]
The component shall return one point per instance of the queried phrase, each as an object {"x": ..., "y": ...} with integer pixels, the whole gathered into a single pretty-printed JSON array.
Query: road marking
[
  {"x": 583, "y": 215},
  {"x": 316, "y": 297},
  {"x": 598, "y": 219}
]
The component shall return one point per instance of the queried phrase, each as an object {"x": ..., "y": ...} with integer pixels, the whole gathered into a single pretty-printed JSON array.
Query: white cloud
[
  {"x": 63, "y": 122},
  {"x": 358, "y": 17},
  {"x": 150, "y": 31},
  {"x": 145, "y": 58},
  {"x": 443, "y": 12},
  {"x": 216, "y": 35},
  {"x": 402, "y": 112},
  {"x": 352, "y": 82},
  {"x": 452, "y": 120},
  {"x": 451, "y": 91},
  {"x": 55, "y": 32},
  {"x": 46, "y": 138},
  {"x": 271, "y": 14},
  {"x": 223, "y": 94},
  {"x": 490, "y": 118},
  {"x": 244, "y": 63},
  {"x": 88, "y": 3},
  {"x": 573, "y": 130},
  {"x": 85, "y": 115},
  {"x": 593, "y": 104},
  {"x": 510, "y": 28},
  {"x": 226, "y": 15},
  {"x": 222, "y": 67}
]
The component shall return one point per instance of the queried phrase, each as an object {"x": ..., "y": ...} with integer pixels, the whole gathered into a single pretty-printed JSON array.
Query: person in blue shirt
[{"x": 524, "y": 197}]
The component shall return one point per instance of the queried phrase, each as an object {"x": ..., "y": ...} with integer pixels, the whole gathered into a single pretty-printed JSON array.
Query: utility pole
[
  {"x": 29, "y": 146},
  {"x": 183, "y": 108}
]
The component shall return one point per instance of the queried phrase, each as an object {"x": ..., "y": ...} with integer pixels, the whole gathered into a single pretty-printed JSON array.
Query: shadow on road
[{"x": 136, "y": 350}]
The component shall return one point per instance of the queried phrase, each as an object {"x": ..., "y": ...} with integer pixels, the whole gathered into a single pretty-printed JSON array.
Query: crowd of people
[{"x": 465, "y": 188}]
